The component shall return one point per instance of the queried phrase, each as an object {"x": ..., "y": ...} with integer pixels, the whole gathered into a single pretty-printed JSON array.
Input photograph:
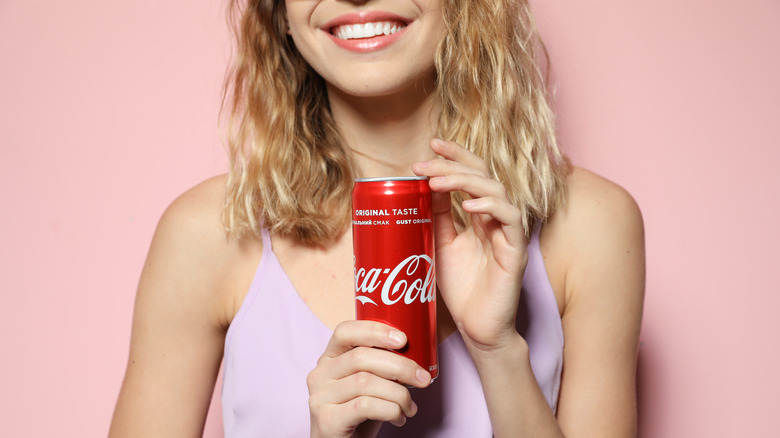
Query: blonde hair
[{"x": 290, "y": 170}]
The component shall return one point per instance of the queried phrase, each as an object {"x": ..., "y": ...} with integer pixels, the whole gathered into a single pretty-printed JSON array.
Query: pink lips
[{"x": 364, "y": 45}]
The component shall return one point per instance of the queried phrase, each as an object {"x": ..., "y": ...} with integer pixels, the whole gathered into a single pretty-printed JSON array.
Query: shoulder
[
  {"x": 191, "y": 225},
  {"x": 195, "y": 218},
  {"x": 200, "y": 206},
  {"x": 597, "y": 212},
  {"x": 192, "y": 246},
  {"x": 599, "y": 229},
  {"x": 595, "y": 203}
]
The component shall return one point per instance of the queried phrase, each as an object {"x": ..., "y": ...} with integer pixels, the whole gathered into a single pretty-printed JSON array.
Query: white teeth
[{"x": 367, "y": 30}]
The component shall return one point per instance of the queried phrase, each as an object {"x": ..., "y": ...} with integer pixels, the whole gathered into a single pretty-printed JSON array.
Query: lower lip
[{"x": 366, "y": 45}]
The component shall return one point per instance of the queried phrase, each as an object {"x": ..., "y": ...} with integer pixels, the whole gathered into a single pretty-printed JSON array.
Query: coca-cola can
[{"x": 392, "y": 232}]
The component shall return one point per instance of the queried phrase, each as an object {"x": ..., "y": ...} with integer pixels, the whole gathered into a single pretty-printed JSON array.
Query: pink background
[{"x": 108, "y": 110}]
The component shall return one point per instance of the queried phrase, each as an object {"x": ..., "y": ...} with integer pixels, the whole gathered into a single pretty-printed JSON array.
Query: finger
[
  {"x": 365, "y": 408},
  {"x": 503, "y": 212},
  {"x": 499, "y": 210},
  {"x": 441, "y": 167},
  {"x": 385, "y": 364},
  {"x": 367, "y": 384},
  {"x": 351, "y": 334},
  {"x": 474, "y": 185},
  {"x": 455, "y": 152},
  {"x": 356, "y": 414}
]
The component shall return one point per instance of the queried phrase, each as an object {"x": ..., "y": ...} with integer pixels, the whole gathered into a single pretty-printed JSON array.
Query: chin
[
  {"x": 384, "y": 85},
  {"x": 372, "y": 90}
]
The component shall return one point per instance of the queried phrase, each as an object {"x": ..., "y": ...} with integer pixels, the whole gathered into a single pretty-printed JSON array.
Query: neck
[{"x": 387, "y": 133}]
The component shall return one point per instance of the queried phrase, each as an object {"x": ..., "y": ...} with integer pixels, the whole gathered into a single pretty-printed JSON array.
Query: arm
[
  {"x": 178, "y": 323},
  {"x": 599, "y": 225},
  {"x": 599, "y": 242},
  {"x": 604, "y": 288}
]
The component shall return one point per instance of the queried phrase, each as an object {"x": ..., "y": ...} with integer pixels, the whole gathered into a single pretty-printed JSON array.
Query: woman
[{"x": 540, "y": 265}]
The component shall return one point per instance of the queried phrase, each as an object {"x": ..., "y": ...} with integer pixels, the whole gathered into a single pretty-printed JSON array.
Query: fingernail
[
  {"x": 437, "y": 142},
  {"x": 423, "y": 376},
  {"x": 397, "y": 337},
  {"x": 414, "y": 409},
  {"x": 422, "y": 164}
]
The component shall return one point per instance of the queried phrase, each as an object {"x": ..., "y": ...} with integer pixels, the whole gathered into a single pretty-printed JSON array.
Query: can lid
[{"x": 395, "y": 178}]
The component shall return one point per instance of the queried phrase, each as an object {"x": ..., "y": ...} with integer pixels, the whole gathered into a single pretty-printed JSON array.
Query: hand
[
  {"x": 358, "y": 379},
  {"x": 479, "y": 270}
]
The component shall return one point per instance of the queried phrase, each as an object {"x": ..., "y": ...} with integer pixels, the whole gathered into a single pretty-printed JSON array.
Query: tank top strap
[
  {"x": 266, "y": 235},
  {"x": 266, "y": 259},
  {"x": 539, "y": 281}
]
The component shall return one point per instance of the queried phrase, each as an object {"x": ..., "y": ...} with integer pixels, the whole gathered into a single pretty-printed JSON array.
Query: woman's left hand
[{"x": 479, "y": 270}]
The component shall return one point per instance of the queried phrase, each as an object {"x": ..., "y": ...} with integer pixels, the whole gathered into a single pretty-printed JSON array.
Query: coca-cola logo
[{"x": 406, "y": 282}]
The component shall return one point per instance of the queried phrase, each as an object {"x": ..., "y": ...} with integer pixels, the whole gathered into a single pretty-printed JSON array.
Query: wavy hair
[{"x": 290, "y": 169}]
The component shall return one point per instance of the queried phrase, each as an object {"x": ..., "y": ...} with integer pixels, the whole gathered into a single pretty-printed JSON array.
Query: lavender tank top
[{"x": 275, "y": 341}]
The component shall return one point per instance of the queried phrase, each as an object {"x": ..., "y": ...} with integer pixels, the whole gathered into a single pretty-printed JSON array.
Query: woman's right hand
[{"x": 357, "y": 379}]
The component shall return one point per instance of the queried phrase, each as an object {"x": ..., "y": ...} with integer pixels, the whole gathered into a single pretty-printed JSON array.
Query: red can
[{"x": 392, "y": 232}]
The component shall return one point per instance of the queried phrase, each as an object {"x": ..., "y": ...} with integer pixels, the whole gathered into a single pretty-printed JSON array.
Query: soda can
[{"x": 392, "y": 232}]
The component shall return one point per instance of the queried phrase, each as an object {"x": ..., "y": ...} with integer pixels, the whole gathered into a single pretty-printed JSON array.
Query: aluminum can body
[{"x": 392, "y": 232}]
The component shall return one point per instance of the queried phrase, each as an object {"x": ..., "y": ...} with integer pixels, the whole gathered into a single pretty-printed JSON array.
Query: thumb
[{"x": 444, "y": 230}]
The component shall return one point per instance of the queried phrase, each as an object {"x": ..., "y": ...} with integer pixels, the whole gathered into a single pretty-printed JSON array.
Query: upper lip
[{"x": 364, "y": 17}]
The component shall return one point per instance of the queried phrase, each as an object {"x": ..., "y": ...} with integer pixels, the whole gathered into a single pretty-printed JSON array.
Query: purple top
[{"x": 275, "y": 341}]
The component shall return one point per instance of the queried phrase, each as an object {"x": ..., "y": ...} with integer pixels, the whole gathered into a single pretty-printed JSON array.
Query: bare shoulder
[
  {"x": 196, "y": 210},
  {"x": 597, "y": 213},
  {"x": 595, "y": 201},
  {"x": 600, "y": 225},
  {"x": 195, "y": 217},
  {"x": 192, "y": 239}
]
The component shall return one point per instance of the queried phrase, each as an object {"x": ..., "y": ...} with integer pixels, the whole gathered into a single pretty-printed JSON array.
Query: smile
[{"x": 366, "y": 30}]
